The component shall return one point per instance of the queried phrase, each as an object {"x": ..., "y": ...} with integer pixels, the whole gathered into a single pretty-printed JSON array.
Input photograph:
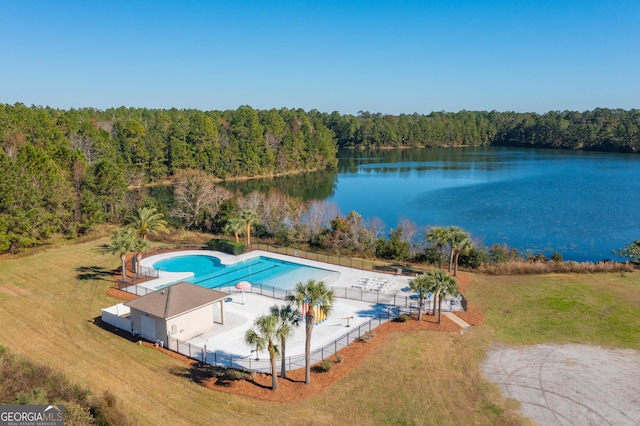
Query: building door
[{"x": 148, "y": 326}]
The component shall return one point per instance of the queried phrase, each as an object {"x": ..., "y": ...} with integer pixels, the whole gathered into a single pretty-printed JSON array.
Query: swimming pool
[{"x": 209, "y": 272}]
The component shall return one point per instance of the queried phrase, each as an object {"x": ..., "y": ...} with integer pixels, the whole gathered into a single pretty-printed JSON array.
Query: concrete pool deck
[
  {"x": 228, "y": 339},
  {"x": 347, "y": 276}
]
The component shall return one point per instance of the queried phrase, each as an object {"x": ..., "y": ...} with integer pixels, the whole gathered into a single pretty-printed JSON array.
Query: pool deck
[
  {"x": 347, "y": 278},
  {"x": 229, "y": 338},
  {"x": 239, "y": 317}
]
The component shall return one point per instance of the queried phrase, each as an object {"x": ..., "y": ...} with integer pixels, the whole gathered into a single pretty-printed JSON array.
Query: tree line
[
  {"x": 601, "y": 129},
  {"x": 62, "y": 172}
]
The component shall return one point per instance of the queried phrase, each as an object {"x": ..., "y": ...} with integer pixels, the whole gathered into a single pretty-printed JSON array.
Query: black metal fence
[
  {"x": 363, "y": 264},
  {"x": 262, "y": 365},
  {"x": 394, "y": 299},
  {"x": 397, "y": 304}
]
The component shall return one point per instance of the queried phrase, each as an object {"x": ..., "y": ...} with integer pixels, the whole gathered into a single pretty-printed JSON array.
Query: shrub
[
  {"x": 403, "y": 318},
  {"x": 429, "y": 255},
  {"x": 339, "y": 358},
  {"x": 35, "y": 396},
  {"x": 539, "y": 257},
  {"x": 501, "y": 253},
  {"x": 25, "y": 382},
  {"x": 393, "y": 248},
  {"x": 226, "y": 374},
  {"x": 326, "y": 365},
  {"x": 474, "y": 258},
  {"x": 366, "y": 337},
  {"x": 225, "y": 246}
]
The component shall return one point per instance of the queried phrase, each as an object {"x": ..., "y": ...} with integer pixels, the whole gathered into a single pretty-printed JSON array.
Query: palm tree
[
  {"x": 147, "y": 220},
  {"x": 249, "y": 217},
  {"x": 288, "y": 319},
  {"x": 441, "y": 283},
  {"x": 264, "y": 334},
  {"x": 313, "y": 293},
  {"x": 463, "y": 247},
  {"x": 459, "y": 241},
  {"x": 235, "y": 226},
  {"x": 422, "y": 285},
  {"x": 438, "y": 235},
  {"x": 122, "y": 242},
  {"x": 139, "y": 245}
]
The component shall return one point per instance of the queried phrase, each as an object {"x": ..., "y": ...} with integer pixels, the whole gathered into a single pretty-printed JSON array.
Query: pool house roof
[{"x": 175, "y": 299}]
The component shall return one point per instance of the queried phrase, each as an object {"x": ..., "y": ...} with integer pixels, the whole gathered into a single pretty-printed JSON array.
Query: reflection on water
[
  {"x": 581, "y": 204},
  {"x": 309, "y": 186}
]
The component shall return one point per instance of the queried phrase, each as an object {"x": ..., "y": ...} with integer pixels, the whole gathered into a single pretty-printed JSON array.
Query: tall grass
[
  {"x": 524, "y": 267},
  {"x": 25, "y": 382}
]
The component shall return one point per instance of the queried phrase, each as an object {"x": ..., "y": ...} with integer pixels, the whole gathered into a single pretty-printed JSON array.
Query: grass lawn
[
  {"x": 49, "y": 300},
  {"x": 599, "y": 309}
]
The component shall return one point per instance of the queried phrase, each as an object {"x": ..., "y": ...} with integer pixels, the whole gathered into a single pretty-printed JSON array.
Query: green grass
[
  {"x": 600, "y": 309},
  {"x": 49, "y": 300}
]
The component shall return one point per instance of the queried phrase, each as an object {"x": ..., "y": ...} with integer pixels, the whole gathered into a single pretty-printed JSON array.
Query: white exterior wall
[
  {"x": 136, "y": 325},
  {"x": 192, "y": 323}
]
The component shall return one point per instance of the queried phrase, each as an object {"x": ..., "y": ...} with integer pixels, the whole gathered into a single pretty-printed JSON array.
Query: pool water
[{"x": 265, "y": 271}]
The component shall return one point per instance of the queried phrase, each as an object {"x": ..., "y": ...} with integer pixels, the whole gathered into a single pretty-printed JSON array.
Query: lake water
[{"x": 580, "y": 204}]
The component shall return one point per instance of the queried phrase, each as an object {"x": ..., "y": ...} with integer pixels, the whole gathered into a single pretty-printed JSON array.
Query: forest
[
  {"x": 63, "y": 172},
  {"x": 599, "y": 130}
]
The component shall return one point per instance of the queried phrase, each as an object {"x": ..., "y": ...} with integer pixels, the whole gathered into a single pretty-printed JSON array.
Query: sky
[{"x": 390, "y": 57}]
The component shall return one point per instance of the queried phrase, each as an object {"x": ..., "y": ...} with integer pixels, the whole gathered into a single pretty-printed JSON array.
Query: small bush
[
  {"x": 556, "y": 257},
  {"x": 366, "y": 337},
  {"x": 403, "y": 318},
  {"x": 339, "y": 358},
  {"x": 227, "y": 374},
  {"x": 225, "y": 246},
  {"x": 76, "y": 414},
  {"x": 326, "y": 365},
  {"x": 37, "y": 396}
]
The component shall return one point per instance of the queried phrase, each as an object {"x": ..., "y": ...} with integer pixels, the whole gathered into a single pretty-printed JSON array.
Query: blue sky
[{"x": 379, "y": 56}]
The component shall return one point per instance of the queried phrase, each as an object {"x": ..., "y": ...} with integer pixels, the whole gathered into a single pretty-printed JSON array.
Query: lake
[{"x": 580, "y": 204}]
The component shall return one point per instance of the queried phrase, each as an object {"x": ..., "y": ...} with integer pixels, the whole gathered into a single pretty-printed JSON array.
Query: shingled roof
[{"x": 175, "y": 300}]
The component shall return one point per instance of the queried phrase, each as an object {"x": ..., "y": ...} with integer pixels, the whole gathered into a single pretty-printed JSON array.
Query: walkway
[{"x": 453, "y": 317}]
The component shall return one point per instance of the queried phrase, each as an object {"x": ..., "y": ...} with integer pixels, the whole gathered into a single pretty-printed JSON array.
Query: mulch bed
[
  {"x": 473, "y": 315},
  {"x": 121, "y": 294}
]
